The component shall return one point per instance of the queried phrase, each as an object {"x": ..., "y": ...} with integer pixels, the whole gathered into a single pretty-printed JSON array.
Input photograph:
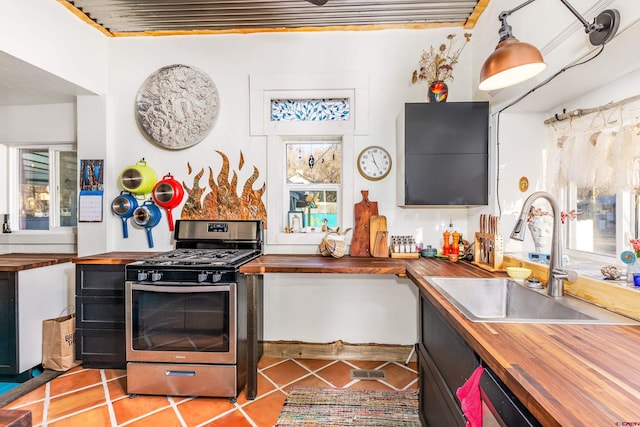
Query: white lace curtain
[{"x": 599, "y": 149}]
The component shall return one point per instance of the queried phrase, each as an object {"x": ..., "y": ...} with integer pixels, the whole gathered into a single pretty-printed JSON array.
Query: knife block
[{"x": 488, "y": 251}]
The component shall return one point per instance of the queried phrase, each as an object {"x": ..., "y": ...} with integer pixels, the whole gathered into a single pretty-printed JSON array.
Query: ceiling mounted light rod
[{"x": 514, "y": 61}]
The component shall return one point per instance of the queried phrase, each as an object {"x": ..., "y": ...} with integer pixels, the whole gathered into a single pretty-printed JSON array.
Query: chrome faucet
[{"x": 557, "y": 274}]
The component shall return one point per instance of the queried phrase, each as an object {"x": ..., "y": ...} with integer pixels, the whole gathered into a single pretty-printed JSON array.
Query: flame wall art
[{"x": 220, "y": 200}]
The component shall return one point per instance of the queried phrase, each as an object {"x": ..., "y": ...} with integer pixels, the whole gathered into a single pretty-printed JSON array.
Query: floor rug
[{"x": 349, "y": 407}]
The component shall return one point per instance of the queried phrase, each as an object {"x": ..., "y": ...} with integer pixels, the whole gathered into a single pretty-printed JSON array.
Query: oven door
[{"x": 181, "y": 323}]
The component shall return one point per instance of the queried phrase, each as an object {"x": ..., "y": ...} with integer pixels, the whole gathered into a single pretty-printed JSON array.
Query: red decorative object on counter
[
  {"x": 455, "y": 248},
  {"x": 446, "y": 249}
]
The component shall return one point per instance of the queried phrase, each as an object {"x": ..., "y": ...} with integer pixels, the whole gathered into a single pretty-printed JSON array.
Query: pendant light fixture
[{"x": 514, "y": 61}]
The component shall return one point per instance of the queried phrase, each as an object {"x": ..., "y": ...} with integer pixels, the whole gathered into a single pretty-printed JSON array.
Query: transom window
[{"x": 310, "y": 109}]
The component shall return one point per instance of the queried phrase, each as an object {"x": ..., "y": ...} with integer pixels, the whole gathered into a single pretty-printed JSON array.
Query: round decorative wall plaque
[{"x": 176, "y": 106}]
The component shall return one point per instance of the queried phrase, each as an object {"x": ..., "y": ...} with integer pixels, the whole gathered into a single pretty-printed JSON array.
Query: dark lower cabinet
[
  {"x": 100, "y": 316},
  {"x": 436, "y": 407},
  {"x": 446, "y": 361},
  {"x": 9, "y": 326}
]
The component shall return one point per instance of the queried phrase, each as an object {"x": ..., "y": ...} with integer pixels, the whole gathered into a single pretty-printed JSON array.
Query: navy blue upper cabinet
[{"x": 442, "y": 154}]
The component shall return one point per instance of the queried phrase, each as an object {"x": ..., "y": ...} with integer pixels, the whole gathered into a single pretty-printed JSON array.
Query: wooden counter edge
[
  {"x": 281, "y": 263},
  {"x": 114, "y": 258},
  {"x": 19, "y": 262}
]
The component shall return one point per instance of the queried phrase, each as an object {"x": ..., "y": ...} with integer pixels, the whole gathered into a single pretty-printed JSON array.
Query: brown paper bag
[{"x": 58, "y": 343}]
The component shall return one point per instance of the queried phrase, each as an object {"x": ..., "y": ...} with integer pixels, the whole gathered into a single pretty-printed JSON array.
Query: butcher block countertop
[
  {"x": 116, "y": 258},
  {"x": 19, "y": 262},
  {"x": 566, "y": 375},
  {"x": 319, "y": 264}
]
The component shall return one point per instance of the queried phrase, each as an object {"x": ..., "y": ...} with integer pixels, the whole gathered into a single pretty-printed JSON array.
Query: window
[
  {"x": 595, "y": 164},
  {"x": 309, "y": 109},
  {"x": 594, "y": 229},
  {"x": 47, "y": 187},
  {"x": 312, "y": 126},
  {"x": 313, "y": 176}
]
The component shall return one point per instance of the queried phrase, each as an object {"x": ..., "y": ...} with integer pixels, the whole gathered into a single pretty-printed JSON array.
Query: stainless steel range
[{"x": 186, "y": 310}]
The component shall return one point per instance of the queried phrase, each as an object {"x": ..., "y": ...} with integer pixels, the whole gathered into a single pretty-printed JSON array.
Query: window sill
[
  {"x": 584, "y": 266},
  {"x": 313, "y": 238},
  {"x": 39, "y": 237},
  {"x": 615, "y": 295}
]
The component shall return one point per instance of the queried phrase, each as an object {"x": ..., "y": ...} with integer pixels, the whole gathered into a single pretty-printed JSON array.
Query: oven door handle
[{"x": 180, "y": 289}]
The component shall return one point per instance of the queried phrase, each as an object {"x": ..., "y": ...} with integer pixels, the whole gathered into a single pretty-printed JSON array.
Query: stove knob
[
  {"x": 142, "y": 276},
  {"x": 202, "y": 276},
  {"x": 155, "y": 276},
  {"x": 216, "y": 276}
]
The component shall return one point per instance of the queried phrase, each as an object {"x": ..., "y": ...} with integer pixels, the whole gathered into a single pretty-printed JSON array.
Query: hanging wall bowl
[
  {"x": 124, "y": 205},
  {"x": 148, "y": 216},
  {"x": 138, "y": 179},
  {"x": 176, "y": 106},
  {"x": 168, "y": 193}
]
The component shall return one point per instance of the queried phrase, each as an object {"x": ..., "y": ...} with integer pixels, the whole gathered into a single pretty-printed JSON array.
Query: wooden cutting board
[
  {"x": 381, "y": 245},
  {"x": 376, "y": 223},
  {"x": 362, "y": 211}
]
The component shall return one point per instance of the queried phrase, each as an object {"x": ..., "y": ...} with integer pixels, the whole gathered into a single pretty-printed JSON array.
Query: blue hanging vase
[{"x": 438, "y": 92}]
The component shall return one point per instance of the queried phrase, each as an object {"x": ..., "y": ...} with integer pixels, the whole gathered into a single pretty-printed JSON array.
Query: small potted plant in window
[{"x": 435, "y": 67}]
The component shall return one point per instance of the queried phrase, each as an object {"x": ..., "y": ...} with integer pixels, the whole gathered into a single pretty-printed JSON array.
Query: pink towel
[{"x": 469, "y": 395}]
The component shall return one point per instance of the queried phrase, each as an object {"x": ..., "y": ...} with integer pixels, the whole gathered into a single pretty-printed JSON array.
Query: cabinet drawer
[
  {"x": 437, "y": 406},
  {"x": 100, "y": 312},
  {"x": 99, "y": 279},
  {"x": 101, "y": 348},
  {"x": 454, "y": 128}
]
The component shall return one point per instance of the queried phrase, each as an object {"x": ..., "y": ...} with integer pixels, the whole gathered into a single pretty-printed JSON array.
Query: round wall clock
[
  {"x": 177, "y": 106},
  {"x": 374, "y": 163}
]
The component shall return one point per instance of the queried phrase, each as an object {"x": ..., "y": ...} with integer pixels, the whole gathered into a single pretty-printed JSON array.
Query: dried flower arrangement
[{"x": 438, "y": 65}]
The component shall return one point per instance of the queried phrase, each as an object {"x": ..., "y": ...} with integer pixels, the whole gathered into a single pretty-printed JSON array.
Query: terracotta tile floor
[{"x": 97, "y": 397}]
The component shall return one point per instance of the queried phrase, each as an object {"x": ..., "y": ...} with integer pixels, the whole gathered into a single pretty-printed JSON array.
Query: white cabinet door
[{"x": 43, "y": 293}]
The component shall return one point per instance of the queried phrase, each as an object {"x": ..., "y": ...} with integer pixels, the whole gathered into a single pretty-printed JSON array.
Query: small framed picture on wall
[{"x": 296, "y": 221}]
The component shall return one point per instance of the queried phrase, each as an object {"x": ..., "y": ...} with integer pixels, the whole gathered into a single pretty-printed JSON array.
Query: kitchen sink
[{"x": 507, "y": 301}]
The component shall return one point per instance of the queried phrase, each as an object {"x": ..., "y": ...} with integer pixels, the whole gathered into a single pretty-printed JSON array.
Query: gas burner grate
[{"x": 190, "y": 257}]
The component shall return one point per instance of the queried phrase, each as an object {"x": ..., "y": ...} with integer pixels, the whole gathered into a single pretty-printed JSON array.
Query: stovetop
[
  {"x": 199, "y": 257},
  {"x": 190, "y": 266}
]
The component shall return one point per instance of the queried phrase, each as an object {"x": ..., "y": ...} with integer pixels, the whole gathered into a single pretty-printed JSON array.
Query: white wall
[
  {"x": 520, "y": 155},
  {"x": 44, "y": 33},
  {"x": 94, "y": 130},
  {"x": 387, "y": 58},
  {"x": 353, "y": 308}
]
